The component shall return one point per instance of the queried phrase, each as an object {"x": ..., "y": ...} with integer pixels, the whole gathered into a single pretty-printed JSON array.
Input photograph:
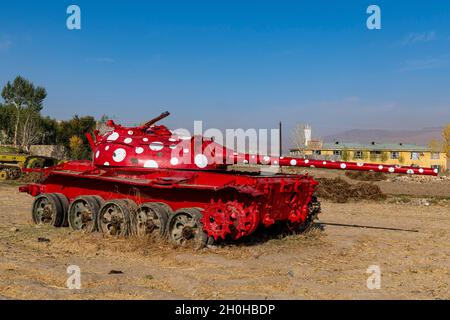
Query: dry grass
[{"x": 328, "y": 263}]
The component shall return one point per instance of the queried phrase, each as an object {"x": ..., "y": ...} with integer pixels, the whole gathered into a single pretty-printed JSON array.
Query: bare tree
[
  {"x": 16, "y": 128},
  {"x": 30, "y": 132},
  {"x": 298, "y": 139},
  {"x": 101, "y": 125}
]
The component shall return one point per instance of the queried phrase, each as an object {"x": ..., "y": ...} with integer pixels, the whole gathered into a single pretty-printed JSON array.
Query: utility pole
[{"x": 280, "y": 142}]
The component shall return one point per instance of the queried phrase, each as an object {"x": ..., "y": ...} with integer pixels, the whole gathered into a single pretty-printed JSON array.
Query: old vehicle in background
[{"x": 12, "y": 161}]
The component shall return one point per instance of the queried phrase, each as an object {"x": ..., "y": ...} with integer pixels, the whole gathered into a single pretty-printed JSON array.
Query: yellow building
[{"x": 386, "y": 153}]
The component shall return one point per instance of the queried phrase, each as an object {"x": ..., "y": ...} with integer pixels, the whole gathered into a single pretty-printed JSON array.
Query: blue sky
[{"x": 236, "y": 63}]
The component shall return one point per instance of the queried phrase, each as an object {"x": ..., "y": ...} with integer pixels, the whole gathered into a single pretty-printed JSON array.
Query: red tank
[{"x": 148, "y": 179}]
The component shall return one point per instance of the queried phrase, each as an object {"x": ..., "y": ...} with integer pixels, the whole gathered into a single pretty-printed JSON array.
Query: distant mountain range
[{"x": 419, "y": 137}]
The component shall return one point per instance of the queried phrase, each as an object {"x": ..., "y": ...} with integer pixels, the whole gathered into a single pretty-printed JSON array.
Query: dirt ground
[{"x": 322, "y": 264}]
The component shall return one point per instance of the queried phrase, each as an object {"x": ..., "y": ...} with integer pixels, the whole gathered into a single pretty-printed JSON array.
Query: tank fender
[{"x": 32, "y": 189}]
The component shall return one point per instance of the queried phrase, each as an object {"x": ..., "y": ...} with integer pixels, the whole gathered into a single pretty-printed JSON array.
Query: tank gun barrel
[
  {"x": 158, "y": 118},
  {"x": 327, "y": 164}
]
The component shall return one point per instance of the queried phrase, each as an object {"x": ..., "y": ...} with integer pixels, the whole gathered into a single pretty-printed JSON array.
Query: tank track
[
  {"x": 124, "y": 218},
  {"x": 10, "y": 172}
]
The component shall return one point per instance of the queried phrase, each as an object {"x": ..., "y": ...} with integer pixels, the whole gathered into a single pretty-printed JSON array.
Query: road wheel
[
  {"x": 35, "y": 163},
  {"x": 99, "y": 200},
  {"x": 47, "y": 209},
  {"x": 151, "y": 218},
  {"x": 83, "y": 213},
  {"x": 116, "y": 218},
  {"x": 185, "y": 229},
  {"x": 4, "y": 175},
  {"x": 15, "y": 173},
  {"x": 65, "y": 208}
]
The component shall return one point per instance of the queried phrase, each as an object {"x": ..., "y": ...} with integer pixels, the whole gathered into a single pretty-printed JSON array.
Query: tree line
[{"x": 23, "y": 125}]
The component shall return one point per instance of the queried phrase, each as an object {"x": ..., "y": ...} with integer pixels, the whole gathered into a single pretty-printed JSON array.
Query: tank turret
[{"x": 155, "y": 146}]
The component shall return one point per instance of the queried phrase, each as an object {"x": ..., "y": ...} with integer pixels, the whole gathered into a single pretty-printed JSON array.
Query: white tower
[{"x": 307, "y": 134}]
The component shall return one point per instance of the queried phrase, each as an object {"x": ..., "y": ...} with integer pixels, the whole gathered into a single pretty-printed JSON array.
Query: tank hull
[{"x": 245, "y": 201}]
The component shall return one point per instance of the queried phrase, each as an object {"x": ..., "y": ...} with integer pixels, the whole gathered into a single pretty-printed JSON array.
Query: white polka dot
[
  {"x": 360, "y": 164},
  {"x": 266, "y": 158},
  {"x": 343, "y": 166},
  {"x": 128, "y": 140},
  {"x": 306, "y": 161},
  {"x": 174, "y": 161},
  {"x": 145, "y": 139},
  {"x": 97, "y": 154},
  {"x": 420, "y": 170},
  {"x": 151, "y": 164},
  {"x": 156, "y": 146},
  {"x": 185, "y": 150},
  {"x": 275, "y": 162},
  {"x": 106, "y": 164},
  {"x": 380, "y": 167},
  {"x": 312, "y": 166},
  {"x": 235, "y": 153},
  {"x": 130, "y": 133},
  {"x": 324, "y": 162},
  {"x": 119, "y": 155},
  {"x": 139, "y": 150},
  {"x": 107, "y": 148},
  {"x": 391, "y": 169},
  {"x": 435, "y": 170},
  {"x": 245, "y": 161},
  {"x": 253, "y": 157},
  {"x": 113, "y": 136},
  {"x": 281, "y": 158},
  {"x": 201, "y": 161},
  {"x": 172, "y": 139},
  {"x": 172, "y": 146},
  {"x": 410, "y": 171},
  {"x": 294, "y": 162}
]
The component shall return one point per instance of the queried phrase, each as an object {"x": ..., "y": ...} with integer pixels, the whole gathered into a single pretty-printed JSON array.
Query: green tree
[
  {"x": 77, "y": 126},
  {"x": 7, "y": 116},
  {"x": 49, "y": 129},
  {"x": 24, "y": 96}
]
